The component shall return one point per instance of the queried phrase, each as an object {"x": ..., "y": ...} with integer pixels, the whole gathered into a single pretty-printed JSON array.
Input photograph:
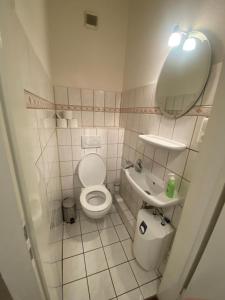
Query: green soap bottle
[{"x": 171, "y": 186}]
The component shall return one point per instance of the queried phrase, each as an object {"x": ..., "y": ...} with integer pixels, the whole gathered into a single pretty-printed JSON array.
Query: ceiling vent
[{"x": 90, "y": 20}]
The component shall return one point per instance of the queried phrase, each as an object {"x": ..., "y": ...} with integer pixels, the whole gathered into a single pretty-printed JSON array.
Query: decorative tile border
[
  {"x": 86, "y": 108},
  {"x": 198, "y": 110},
  {"x": 35, "y": 102}
]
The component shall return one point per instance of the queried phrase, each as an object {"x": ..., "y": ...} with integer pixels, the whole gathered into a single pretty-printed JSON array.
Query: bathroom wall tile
[
  {"x": 99, "y": 98},
  {"x": 112, "y": 150},
  {"x": 176, "y": 216},
  {"x": 120, "y": 150},
  {"x": 161, "y": 156},
  {"x": 112, "y": 136},
  {"x": 194, "y": 141},
  {"x": 111, "y": 176},
  {"x": 118, "y": 99},
  {"x": 149, "y": 151},
  {"x": 211, "y": 87},
  {"x": 76, "y": 136},
  {"x": 66, "y": 168},
  {"x": 65, "y": 153},
  {"x": 166, "y": 127},
  {"x": 74, "y": 95},
  {"x": 99, "y": 119},
  {"x": 89, "y": 131},
  {"x": 111, "y": 164},
  {"x": 67, "y": 182},
  {"x": 102, "y": 151},
  {"x": 64, "y": 137},
  {"x": 102, "y": 132},
  {"x": 87, "y": 96},
  {"x": 77, "y": 116},
  {"x": 116, "y": 119},
  {"x": 158, "y": 170},
  {"x": 87, "y": 118},
  {"x": 78, "y": 152},
  {"x": 110, "y": 99},
  {"x": 61, "y": 96},
  {"x": 176, "y": 161},
  {"x": 184, "y": 186},
  {"x": 109, "y": 119},
  {"x": 190, "y": 166},
  {"x": 184, "y": 129}
]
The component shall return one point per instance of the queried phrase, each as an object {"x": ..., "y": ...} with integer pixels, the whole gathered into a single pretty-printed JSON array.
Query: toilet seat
[{"x": 97, "y": 193}]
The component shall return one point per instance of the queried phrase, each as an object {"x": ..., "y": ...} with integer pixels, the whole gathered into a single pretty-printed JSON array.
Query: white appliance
[{"x": 151, "y": 240}]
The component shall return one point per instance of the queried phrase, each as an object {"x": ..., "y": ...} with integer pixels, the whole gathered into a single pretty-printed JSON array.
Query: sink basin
[{"x": 150, "y": 188}]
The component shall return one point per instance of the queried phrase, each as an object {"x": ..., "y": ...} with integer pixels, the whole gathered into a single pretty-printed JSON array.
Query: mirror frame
[{"x": 189, "y": 107}]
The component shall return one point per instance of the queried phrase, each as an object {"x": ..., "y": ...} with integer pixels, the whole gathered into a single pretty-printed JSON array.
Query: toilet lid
[{"x": 91, "y": 170}]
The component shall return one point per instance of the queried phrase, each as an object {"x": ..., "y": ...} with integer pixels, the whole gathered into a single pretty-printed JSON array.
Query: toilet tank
[{"x": 152, "y": 240}]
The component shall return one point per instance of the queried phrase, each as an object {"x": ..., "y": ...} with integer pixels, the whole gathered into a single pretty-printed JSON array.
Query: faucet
[
  {"x": 128, "y": 165},
  {"x": 138, "y": 165}
]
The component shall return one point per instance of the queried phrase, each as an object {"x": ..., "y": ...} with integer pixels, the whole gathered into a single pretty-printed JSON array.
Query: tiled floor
[{"x": 98, "y": 263}]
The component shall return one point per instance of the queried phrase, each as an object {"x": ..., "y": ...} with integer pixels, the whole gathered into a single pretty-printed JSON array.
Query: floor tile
[
  {"x": 123, "y": 278},
  {"x": 128, "y": 248},
  {"x": 100, "y": 286},
  {"x": 77, "y": 289},
  {"x": 108, "y": 236},
  {"x": 122, "y": 232},
  {"x": 73, "y": 268},
  {"x": 116, "y": 219},
  {"x": 91, "y": 241},
  {"x": 82, "y": 216},
  {"x": 115, "y": 254},
  {"x": 133, "y": 295},
  {"x": 113, "y": 209},
  {"x": 150, "y": 289},
  {"x": 71, "y": 230},
  {"x": 95, "y": 261},
  {"x": 104, "y": 222},
  {"x": 88, "y": 226},
  {"x": 141, "y": 275},
  {"x": 72, "y": 246}
]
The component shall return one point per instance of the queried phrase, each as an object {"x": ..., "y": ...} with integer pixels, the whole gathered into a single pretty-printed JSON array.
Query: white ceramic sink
[{"x": 150, "y": 188}]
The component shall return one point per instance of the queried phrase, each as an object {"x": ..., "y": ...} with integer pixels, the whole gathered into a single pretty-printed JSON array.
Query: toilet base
[{"x": 96, "y": 214}]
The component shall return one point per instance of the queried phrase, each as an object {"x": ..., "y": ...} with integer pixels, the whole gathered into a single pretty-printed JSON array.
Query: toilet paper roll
[
  {"x": 61, "y": 123},
  {"x": 68, "y": 114},
  {"x": 73, "y": 123}
]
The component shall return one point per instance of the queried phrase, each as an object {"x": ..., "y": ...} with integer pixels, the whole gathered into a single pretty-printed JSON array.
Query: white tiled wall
[
  {"x": 160, "y": 161},
  {"x": 46, "y": 168}
]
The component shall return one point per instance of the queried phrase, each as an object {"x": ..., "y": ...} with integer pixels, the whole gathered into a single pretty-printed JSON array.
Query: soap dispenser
[{"x": 171, "y": 186}]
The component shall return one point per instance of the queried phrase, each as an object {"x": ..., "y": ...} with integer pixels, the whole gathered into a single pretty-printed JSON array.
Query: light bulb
[
  {"x": 174, "y": 39},
  {"x": 189, "y": 44}
]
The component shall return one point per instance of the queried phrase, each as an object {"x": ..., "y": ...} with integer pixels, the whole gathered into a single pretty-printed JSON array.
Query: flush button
[{"x": 142, "y": 227}]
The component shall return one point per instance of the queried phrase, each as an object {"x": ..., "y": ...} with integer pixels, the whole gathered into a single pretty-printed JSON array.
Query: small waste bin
[{"x": 69, "y": 210}]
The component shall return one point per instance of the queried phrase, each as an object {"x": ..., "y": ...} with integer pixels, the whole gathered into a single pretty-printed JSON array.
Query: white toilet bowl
[{"x": 95, "y": 199}]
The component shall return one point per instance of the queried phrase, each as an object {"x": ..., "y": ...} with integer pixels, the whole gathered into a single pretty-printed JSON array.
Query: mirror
[{"x": 183, "y": 75}]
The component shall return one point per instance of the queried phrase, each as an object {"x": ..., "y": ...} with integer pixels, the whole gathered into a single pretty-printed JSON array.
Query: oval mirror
[{"x": 184, "y": 75}]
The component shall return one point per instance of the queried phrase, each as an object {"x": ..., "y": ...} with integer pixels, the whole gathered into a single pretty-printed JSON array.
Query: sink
[{"x": 150, "y": 188}]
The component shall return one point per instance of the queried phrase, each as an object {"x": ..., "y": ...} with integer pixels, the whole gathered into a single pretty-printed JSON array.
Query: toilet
[{"x": 95, "y": 199}]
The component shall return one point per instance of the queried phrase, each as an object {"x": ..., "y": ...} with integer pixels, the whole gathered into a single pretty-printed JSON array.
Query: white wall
[
  {"x": 34, "y": 145},
  {"x": 33, "y": 17},
  {"x": 151, "y": 23},
  {"x": 88, "y": 58}
]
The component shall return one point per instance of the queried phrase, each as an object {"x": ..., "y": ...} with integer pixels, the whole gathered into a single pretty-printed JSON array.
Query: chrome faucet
[
  {"x": 138, "y": 165},
  {"x": 128, "y": 165}
]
